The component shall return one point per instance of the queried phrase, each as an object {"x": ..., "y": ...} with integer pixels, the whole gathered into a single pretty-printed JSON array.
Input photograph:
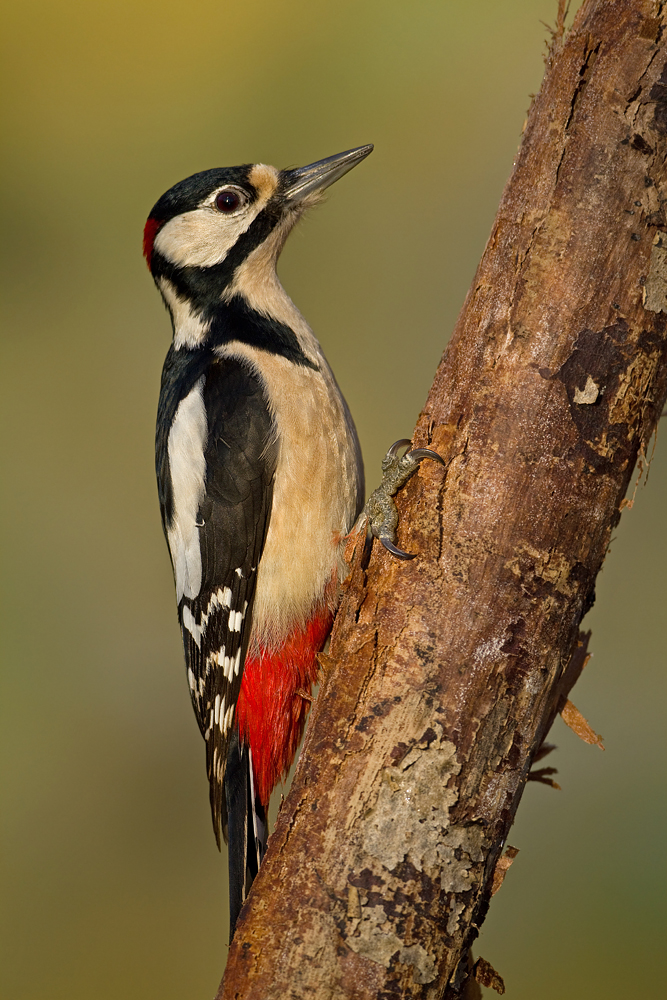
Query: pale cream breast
[{"x": 317, "y": 489}]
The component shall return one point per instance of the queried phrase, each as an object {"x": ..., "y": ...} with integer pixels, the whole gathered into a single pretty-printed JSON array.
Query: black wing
[{"x": 240, "y": 456}]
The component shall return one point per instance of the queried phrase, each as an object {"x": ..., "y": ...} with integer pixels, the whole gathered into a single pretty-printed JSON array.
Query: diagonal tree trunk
[{"x": 446, "y": 673}]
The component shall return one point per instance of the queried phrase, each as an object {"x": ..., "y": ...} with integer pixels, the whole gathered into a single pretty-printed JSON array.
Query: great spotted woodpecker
[{"x": 260, "y": 479}]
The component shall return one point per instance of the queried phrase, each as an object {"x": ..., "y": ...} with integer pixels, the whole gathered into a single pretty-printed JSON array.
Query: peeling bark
[{"x": 446, "y": 673}]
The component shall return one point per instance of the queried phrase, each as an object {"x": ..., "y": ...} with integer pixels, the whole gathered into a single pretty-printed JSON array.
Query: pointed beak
[{"x": 316, "y": 177}]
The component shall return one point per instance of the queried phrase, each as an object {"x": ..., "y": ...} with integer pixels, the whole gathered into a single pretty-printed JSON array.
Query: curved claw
[
  {"x": 368, "y": 547},
  {"x": 418, "y": 454},
  {"x": 396, "y": 447},
  {"x": 380, "y": 508},
  {"x": 399, "y": 553}
]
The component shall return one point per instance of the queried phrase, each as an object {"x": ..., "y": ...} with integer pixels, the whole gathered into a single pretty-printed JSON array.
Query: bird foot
[{"x": 380, "y": 508}]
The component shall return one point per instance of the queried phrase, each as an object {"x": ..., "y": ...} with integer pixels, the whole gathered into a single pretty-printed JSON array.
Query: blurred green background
[{"x": 112, "y": 886}]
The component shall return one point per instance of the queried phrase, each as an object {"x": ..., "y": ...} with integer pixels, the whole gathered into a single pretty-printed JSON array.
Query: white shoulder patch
[{"x": 187, "y": 467}]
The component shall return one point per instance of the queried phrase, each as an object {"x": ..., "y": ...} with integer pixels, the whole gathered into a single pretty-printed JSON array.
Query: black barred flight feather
[{"x": 217, "y": 406}]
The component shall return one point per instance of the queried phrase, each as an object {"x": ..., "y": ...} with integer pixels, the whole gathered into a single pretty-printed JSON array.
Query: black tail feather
[{"x": 246, "y": 827}]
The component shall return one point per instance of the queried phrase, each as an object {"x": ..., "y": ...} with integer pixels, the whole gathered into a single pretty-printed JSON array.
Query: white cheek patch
[
  {"x": 204, "y": 237},
  {"x": 187, "y": 468}
]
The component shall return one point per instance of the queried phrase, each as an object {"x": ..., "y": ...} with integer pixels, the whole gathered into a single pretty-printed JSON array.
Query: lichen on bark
[{"x": 446, "y": 673}]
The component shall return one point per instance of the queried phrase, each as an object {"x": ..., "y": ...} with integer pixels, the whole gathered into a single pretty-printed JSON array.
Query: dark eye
[{"x": 229, "y": 200}]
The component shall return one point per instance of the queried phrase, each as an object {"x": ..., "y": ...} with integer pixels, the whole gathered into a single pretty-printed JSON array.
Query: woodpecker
[{"x": 260, "y": 479}]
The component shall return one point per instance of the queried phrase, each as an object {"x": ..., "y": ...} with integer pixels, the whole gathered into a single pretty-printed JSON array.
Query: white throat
[{"x": 189, "y": 329}]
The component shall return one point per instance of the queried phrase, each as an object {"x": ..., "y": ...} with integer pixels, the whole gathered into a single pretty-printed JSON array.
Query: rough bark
[{"x": 446, "y": 673}]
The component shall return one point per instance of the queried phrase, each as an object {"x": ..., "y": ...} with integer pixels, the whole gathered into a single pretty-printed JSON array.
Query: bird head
[{"x": 215, "y": 220}]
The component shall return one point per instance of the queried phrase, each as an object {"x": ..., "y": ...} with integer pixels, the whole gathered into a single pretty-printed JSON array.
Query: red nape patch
[
  {"x": 269, "y": 713},
  {"x": 150, "y": 232}
]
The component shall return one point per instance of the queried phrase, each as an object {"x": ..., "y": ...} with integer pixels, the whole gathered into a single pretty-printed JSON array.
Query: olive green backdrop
[{"x": 112, "y": 886}]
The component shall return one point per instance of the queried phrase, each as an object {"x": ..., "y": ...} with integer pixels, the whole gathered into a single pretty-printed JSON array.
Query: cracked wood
[{"x": 445, "y": 674}]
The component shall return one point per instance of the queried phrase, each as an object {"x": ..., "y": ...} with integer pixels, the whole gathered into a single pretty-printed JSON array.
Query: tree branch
[{"x": 446, "y": 673}]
